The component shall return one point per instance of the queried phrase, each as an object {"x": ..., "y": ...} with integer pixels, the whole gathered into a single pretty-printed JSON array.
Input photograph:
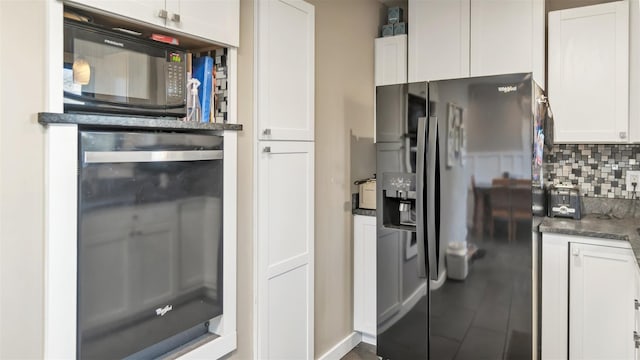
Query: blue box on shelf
[{"x": 203, "y": 71}]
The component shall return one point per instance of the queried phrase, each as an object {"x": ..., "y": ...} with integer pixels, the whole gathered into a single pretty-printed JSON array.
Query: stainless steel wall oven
[{"x": 149, "y": 240}]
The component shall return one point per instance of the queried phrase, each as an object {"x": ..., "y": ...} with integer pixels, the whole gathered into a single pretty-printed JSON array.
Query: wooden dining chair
[
  {"x": 500, "y": 200},
  {"x": 478, "y": 209},
  {"x": 520, "y": 206}
]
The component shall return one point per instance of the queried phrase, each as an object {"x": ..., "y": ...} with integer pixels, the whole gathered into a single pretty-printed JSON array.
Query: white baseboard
[
  {"x": 343, "y": 347},
  {"x": 369, "y": 339}
]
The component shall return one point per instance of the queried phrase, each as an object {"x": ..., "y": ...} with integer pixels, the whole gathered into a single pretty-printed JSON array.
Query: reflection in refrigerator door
[{"x": 445, "y": 151}]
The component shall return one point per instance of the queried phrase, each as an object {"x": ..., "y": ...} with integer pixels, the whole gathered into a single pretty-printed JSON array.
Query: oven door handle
[{"x": 99, "y": 157}]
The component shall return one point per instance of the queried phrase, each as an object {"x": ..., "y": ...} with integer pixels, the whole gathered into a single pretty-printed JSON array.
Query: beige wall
[
  {"x": 22, "y": 36},
  {"x": 345, "y": 31},
  {"x": 245, "y": 184}
]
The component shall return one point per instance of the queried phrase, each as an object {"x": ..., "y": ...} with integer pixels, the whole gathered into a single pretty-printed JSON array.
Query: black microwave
[{"x": 106, "y": 71}]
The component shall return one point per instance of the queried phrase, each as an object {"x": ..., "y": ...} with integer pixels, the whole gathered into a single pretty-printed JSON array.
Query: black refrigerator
[{"x": 457, "y": 262}]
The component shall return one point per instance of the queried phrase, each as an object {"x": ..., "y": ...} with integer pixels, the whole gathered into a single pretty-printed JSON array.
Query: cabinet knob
[
  {"x": 623, "y": 134},
  {"x": 575, "y": 252},
  {"x": 267, "y": 149},
  {"x": 175, "y": 18},
  {"x": 266, "y": 132},
  {"x": 636, "y": 304},
  {"x": 162, "y": 14}
]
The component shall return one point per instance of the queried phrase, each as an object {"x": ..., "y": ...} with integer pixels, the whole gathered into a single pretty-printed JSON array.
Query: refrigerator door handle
[
  {"x": 431, "y": 203},
  {"x": 420, "y": 223}
]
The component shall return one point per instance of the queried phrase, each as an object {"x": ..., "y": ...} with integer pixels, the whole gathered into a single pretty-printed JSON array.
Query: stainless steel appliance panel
[
  {"x": 401, "y": 274},
  {"x": 149, "y": 240},
  {"x": 458, "y": 284},
  {"x": 484, "y": 171}
]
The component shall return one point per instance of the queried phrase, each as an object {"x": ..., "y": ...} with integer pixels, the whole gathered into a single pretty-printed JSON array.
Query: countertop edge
[
  {"x": 45, "y": 118},
  {"x": 363, "y": 212},
  {"x": 588, "y": 233},
  {"x": 618, "y": 230}
]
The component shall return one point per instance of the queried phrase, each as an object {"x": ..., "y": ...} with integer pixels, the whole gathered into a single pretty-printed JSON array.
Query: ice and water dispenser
[{"x": 399, "y": 201}]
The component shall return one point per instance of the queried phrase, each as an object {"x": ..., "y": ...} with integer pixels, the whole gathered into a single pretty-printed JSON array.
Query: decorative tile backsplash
[{"x": 599, "y": 170}]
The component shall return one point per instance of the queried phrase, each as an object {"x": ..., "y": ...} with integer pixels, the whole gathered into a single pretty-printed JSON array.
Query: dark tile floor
[
  {"x": 362, "y": 352},
  {"x": 486, "y": 316}
]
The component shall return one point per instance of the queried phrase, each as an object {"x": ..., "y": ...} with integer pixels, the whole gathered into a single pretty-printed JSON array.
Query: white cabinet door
[
  {"x": 285, "y": 70},
  {"x": 636, "y": 303},
  {"x": 507, "y": 37},
  {"x": 391, "y": 60},
  {"x": 601, "y": 302},
  {"x": 144, "y": 10},
  {"x": 285, "y": 250},
  {"x": 438, "y": 39},
  {"x": 589, "y": 73},
  {"x": 364, "y": 275},
  {"x": 555, "y": 295},
  {"x": 217, "y": 20}
]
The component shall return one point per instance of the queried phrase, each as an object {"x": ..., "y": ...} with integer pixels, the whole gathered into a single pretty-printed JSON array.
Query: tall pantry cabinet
[{"x": 284, "y": 158}]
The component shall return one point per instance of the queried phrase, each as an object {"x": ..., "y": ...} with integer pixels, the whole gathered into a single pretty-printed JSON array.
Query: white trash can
[{"x": 457, "y": 263}]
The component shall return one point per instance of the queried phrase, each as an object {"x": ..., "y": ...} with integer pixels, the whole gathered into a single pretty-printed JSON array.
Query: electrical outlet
[{"x": 633, "y": 177}]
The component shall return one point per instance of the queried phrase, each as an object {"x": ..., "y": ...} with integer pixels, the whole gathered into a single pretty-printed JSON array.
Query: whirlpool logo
[
  {"x": 162, "y": 311},
  {"x": 507, "y": 89}
]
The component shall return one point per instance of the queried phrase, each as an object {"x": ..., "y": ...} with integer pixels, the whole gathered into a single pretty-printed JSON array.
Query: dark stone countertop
[
  {"x": 598, "y": 226},
  {"x": 133, "y": 122},
  {"x": 365, "y": 212}
]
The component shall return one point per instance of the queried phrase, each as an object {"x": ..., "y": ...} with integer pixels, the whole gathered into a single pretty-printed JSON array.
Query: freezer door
[
  {"x": 401, "y": 266},
  {"x": 480, "y": 294}
]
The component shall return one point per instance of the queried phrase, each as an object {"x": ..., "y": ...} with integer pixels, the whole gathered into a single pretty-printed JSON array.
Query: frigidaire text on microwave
[{"x": 111, "y": 72}]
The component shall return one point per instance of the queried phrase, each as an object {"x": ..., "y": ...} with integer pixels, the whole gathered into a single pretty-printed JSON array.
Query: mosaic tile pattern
[
  {"x": 599, "y": 170},
  {"x": 222, "y": 89}
]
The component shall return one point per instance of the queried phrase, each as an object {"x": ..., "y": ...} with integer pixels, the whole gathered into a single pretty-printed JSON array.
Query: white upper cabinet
[
  {"x": 285, "y": 70},
  {"x": 438, "y": 39},
  {"x": 214, "y": 20},
  {"x": 460, "y": 38},
  {"x": 217, "y": 20},
  {"x": 589, "y": 73},
  {"x": 149, "y": 11},
  {"x": 391, "y": 60},
  {"x": 507, "y": 37}
]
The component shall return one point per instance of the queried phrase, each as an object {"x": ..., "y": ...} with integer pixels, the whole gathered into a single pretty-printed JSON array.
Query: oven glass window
[{"x": 149, "y": 240}]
